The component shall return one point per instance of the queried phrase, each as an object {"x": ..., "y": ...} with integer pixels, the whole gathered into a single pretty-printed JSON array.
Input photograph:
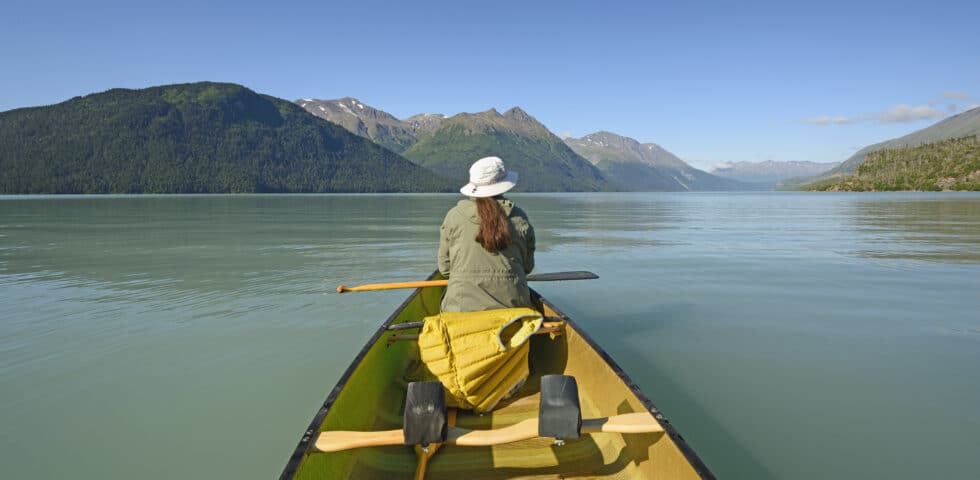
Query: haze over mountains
[
  {"x": 601, "y": 161},
  {"x": 644, "y": 167},
  {"x": 766, "y": 175}
]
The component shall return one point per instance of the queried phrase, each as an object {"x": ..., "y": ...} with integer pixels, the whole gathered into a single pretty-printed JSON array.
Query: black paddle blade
[
  {"x": 559, "y": 413},
  {"x": 425, "y": 419},
  {"x": 554, "y": 277}
]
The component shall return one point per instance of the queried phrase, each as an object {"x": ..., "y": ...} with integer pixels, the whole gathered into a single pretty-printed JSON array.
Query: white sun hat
[{"x": 489, "y": 178}]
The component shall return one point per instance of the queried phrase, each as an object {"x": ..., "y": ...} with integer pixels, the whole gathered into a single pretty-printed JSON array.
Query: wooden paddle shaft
[
  {"x": 538, "y": 277},
  {"x": 424, "y": 455},
  {"x": 335, "y": 441},
  {"x": 393, "y": 286}
]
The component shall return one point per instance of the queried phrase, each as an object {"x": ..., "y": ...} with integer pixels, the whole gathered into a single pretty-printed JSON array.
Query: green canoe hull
[{"x": 371, "y": 394}]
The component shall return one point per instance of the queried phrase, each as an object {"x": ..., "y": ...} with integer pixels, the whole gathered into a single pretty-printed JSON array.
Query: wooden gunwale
[{"x": 309, "y": 436}]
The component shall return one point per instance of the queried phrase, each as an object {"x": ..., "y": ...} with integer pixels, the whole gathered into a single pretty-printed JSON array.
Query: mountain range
[
  {"x": 543, "y": 161},
  {"x": 218, "y": 137},
  {"x": 447, "y": 145},
  {"x": 644, "y": 167}
]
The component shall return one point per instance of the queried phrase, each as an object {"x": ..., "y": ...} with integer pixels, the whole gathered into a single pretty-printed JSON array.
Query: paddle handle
[
  {"x": 638, "y": 422},
  {"x": 340, "y": 440}
]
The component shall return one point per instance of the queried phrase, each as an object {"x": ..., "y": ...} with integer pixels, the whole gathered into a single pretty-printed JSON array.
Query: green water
[{"x": 805, "y": 336}]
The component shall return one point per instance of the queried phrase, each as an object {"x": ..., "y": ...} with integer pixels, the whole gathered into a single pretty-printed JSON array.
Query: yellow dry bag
[{"x": 480, "y": 357}]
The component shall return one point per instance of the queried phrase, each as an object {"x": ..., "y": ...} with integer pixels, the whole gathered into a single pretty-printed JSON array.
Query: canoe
[{"x": 370, "y": 396}]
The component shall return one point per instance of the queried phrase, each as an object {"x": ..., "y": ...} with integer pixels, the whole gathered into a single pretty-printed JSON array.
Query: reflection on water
[
  {"x": 762, "y": 324},
  {"x": 600, "y": 222},
  {"x": 943, "y": 229},
  {"x": 201, "y": 242}
]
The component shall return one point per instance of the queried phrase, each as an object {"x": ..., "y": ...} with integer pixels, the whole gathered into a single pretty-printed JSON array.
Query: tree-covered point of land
[
  {"x": 948, "y": 165},
  {"x": 192, "y": 138}
]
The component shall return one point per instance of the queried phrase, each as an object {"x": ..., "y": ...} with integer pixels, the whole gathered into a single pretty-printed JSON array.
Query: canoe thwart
[
  {"x": 411, "y": 325},
  {"x": 405, "y": 326},
  {"x": 627, "y": 423},
  {"x": 552, "y": 328}
]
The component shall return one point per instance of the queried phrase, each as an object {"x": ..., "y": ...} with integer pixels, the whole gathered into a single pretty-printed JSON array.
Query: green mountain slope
[
  {"x": 958, "y": 126},
  {"x": 948, "y": 165},
  {"x": 544, "y": 162},
  {"x": 645, "y": 167},
  {"x": 192, "y": 138}
]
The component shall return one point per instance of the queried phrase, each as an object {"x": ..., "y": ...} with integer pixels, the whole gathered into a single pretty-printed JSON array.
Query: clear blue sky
[{"x": 712, "y": 82}]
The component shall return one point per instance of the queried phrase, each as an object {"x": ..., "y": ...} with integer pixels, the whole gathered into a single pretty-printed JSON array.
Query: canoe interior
[{"x": 371, "y": 396}]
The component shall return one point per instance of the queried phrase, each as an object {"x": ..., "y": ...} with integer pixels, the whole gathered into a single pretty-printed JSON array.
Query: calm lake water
[{"x": 786, "y": 335}]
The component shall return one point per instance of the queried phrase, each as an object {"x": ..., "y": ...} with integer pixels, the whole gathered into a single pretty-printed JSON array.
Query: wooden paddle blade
[
  {"x": 640, "y": 422},
  {"x": 424, "y": 456},
  {"x": 558, "y": 276}
]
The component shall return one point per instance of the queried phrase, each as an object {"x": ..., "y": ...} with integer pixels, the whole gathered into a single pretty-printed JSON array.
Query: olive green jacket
[{"x": 480, "y": 280}]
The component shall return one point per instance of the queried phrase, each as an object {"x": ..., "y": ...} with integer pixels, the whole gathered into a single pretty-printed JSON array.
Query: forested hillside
[
  {"x": 948, "y": 165},
  {"x": 192, "y": 138}
]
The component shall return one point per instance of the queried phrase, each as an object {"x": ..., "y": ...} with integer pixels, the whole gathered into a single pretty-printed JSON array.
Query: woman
[{"x": 486, "y": 245}]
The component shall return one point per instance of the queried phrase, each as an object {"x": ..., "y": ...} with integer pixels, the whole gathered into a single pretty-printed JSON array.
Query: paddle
[
  {"x": 335, "y": 441},
  {"x": 425, "y": 454},
  {"x": 538, "y": 277},
  {"x": 553, "y": 328}
]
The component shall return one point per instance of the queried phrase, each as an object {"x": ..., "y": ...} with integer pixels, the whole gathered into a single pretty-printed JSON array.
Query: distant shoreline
[{"x": 41, "y": 196}]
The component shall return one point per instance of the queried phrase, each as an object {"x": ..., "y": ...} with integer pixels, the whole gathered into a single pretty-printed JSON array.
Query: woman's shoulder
[{"x": 463, "y": 210}]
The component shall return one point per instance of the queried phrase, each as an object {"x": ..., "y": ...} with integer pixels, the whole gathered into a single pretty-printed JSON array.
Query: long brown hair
[{"x": 494, "y": 233}]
